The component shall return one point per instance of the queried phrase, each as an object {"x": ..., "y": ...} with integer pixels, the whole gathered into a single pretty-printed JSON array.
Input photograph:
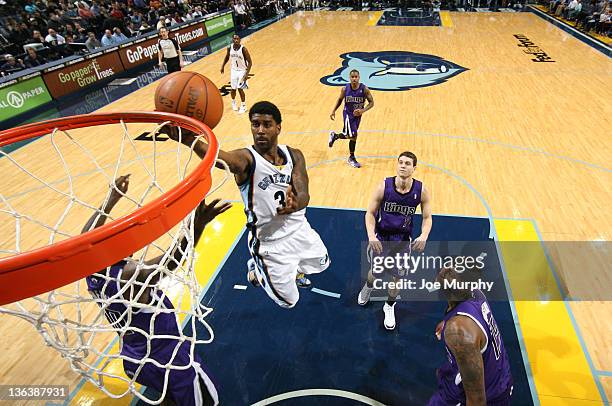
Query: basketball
[{"x": 190, "y": 94}]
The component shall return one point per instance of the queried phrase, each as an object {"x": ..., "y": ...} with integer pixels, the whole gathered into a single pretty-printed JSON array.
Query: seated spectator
[
  {"x": 163, "y": 22},
  {"x": 37, "y": 38},
  {"x": 54, "y": 38},
  {"x": 84, "y": 12},
  {"x": 54, "y": 22},
  {"x": 137, "y": 18},
  {"x": 81, "y": 36},
  {"x": 95, "y": 8},
  {"x": 37, "y": 21},
  {"x": 241, "y": 14},
  {"x": 197, "y": 12},
  {"x": 132, "y": 30},
  {"x": 586, "y": 12},
  {"x": 144, "y": 27},
  {"x": 176, "y": 19},
  {"x": 33, "y": 59},
  {"x": 605, "y": 21},
  {"x": 20, "y": 34},
  {"x": 107, "y": 39},
  {"x": 560, "y": 7},
  {"x": 575, "y": 11},
  {"x": 117, "y": 13},
  {"x": 92, "y": 42},
  {"x": 171, "y": 9},
  {"x": 69, "y": 30},
  {"x": 11, "y": 65},
  {"x": 570, "y": 8},
  {"x": 141, "y": 4},
  {"x": 71, "y": 12},
  {"x": 119, "y": 36}
]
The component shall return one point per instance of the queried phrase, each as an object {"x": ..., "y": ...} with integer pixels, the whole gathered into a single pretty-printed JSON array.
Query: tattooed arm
[
  {"x": 465, "y": 339},
  {"x": 297, "y": 194}
]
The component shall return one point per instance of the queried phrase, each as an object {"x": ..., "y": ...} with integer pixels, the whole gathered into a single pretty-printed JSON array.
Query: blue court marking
[
  {"x": 590, "y": 41},
  {"x": 335, "y": 343},
  {"x": 583, "y": 345},
  {"x": 493, "y": 232},
  {"x": 603, "y": 373},
  {"x": 325, "y": 293}
]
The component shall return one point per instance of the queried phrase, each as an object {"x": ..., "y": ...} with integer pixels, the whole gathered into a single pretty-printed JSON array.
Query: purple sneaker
[{"x": 353, "y": 162}]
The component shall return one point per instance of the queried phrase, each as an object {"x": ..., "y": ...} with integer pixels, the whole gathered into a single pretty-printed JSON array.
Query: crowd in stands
[
  {"x": 34, "y": 32},
  {"x": 588, "y": 15}
]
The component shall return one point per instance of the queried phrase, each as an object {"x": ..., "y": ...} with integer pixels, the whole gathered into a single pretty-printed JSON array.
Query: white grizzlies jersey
[
  {"x": 264, "y": 192},
  {"x": 237, "y": 58}
]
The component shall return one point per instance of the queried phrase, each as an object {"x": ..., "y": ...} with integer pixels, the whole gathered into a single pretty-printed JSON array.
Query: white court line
[
  {"x": 319, "y": 392},
  {"x": 325, "y": 293}
]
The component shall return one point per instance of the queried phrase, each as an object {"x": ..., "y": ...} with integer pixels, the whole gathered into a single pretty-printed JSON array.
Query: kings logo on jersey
[{"x": 394, "y": 70}]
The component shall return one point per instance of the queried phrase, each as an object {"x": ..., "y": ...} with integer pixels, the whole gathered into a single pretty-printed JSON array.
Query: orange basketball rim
[{"x": 43, "y": 269}]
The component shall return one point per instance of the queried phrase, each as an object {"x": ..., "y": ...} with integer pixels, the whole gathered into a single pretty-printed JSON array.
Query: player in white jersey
[
  {"x": 240, "y": 66},
  {"x": 274, "y": 185}
]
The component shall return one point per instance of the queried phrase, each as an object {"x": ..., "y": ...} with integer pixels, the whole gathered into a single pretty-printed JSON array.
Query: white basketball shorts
[
  {"x": 235, "y": 79},
  {"x": 278, "y": 262}
]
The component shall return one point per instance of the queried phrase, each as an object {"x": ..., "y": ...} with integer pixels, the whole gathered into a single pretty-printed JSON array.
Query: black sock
[{"x": 352, "y": 145}]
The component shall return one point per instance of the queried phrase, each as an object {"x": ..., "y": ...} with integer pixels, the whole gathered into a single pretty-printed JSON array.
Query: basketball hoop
[
  {"x": 44, "y": 284},
  {"x": 86, "y": 253}
]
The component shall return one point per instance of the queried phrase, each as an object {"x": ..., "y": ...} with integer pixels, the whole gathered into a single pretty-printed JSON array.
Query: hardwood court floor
[{"x": 507, "y": 138}]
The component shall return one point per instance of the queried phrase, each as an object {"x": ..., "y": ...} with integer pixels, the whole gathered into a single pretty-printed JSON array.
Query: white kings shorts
[
  {"x": 235, "y": 77},
  {"x": 278, "y": 262}
]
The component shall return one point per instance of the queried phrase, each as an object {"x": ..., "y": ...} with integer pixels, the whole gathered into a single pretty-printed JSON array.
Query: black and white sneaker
[
  {"x": 302, "y": 281},
  {"x": 251, "y": 276}
]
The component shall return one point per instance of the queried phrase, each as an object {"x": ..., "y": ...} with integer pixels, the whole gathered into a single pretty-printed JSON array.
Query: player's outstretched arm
[
  {"x": 239, "y": 161},
  {"x": 370, "y": 217},
  {"x": 204, "y": 214},
  {"x": 464, "y": 338},
  {"x": 338, "y": 102},
  {"x": 421, "y": 240},
  {"x": 298, "y": 195},
  {"x": 117, "y": 190}
]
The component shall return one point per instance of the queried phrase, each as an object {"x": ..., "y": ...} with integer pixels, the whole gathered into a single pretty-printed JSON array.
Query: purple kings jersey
[
  {"x": 497, "y": 375},
  {"x": 394, "y": 219},
  {"x": 353, "y": 99},
  {"x": 118, "y": 313}
]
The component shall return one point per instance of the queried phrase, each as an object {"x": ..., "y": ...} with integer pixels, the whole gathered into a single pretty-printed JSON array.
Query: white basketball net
[{"x": 81, "y": 327}]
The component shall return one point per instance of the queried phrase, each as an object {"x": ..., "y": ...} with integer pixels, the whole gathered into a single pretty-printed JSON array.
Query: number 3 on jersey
[{"x": 280, "y": 196}]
